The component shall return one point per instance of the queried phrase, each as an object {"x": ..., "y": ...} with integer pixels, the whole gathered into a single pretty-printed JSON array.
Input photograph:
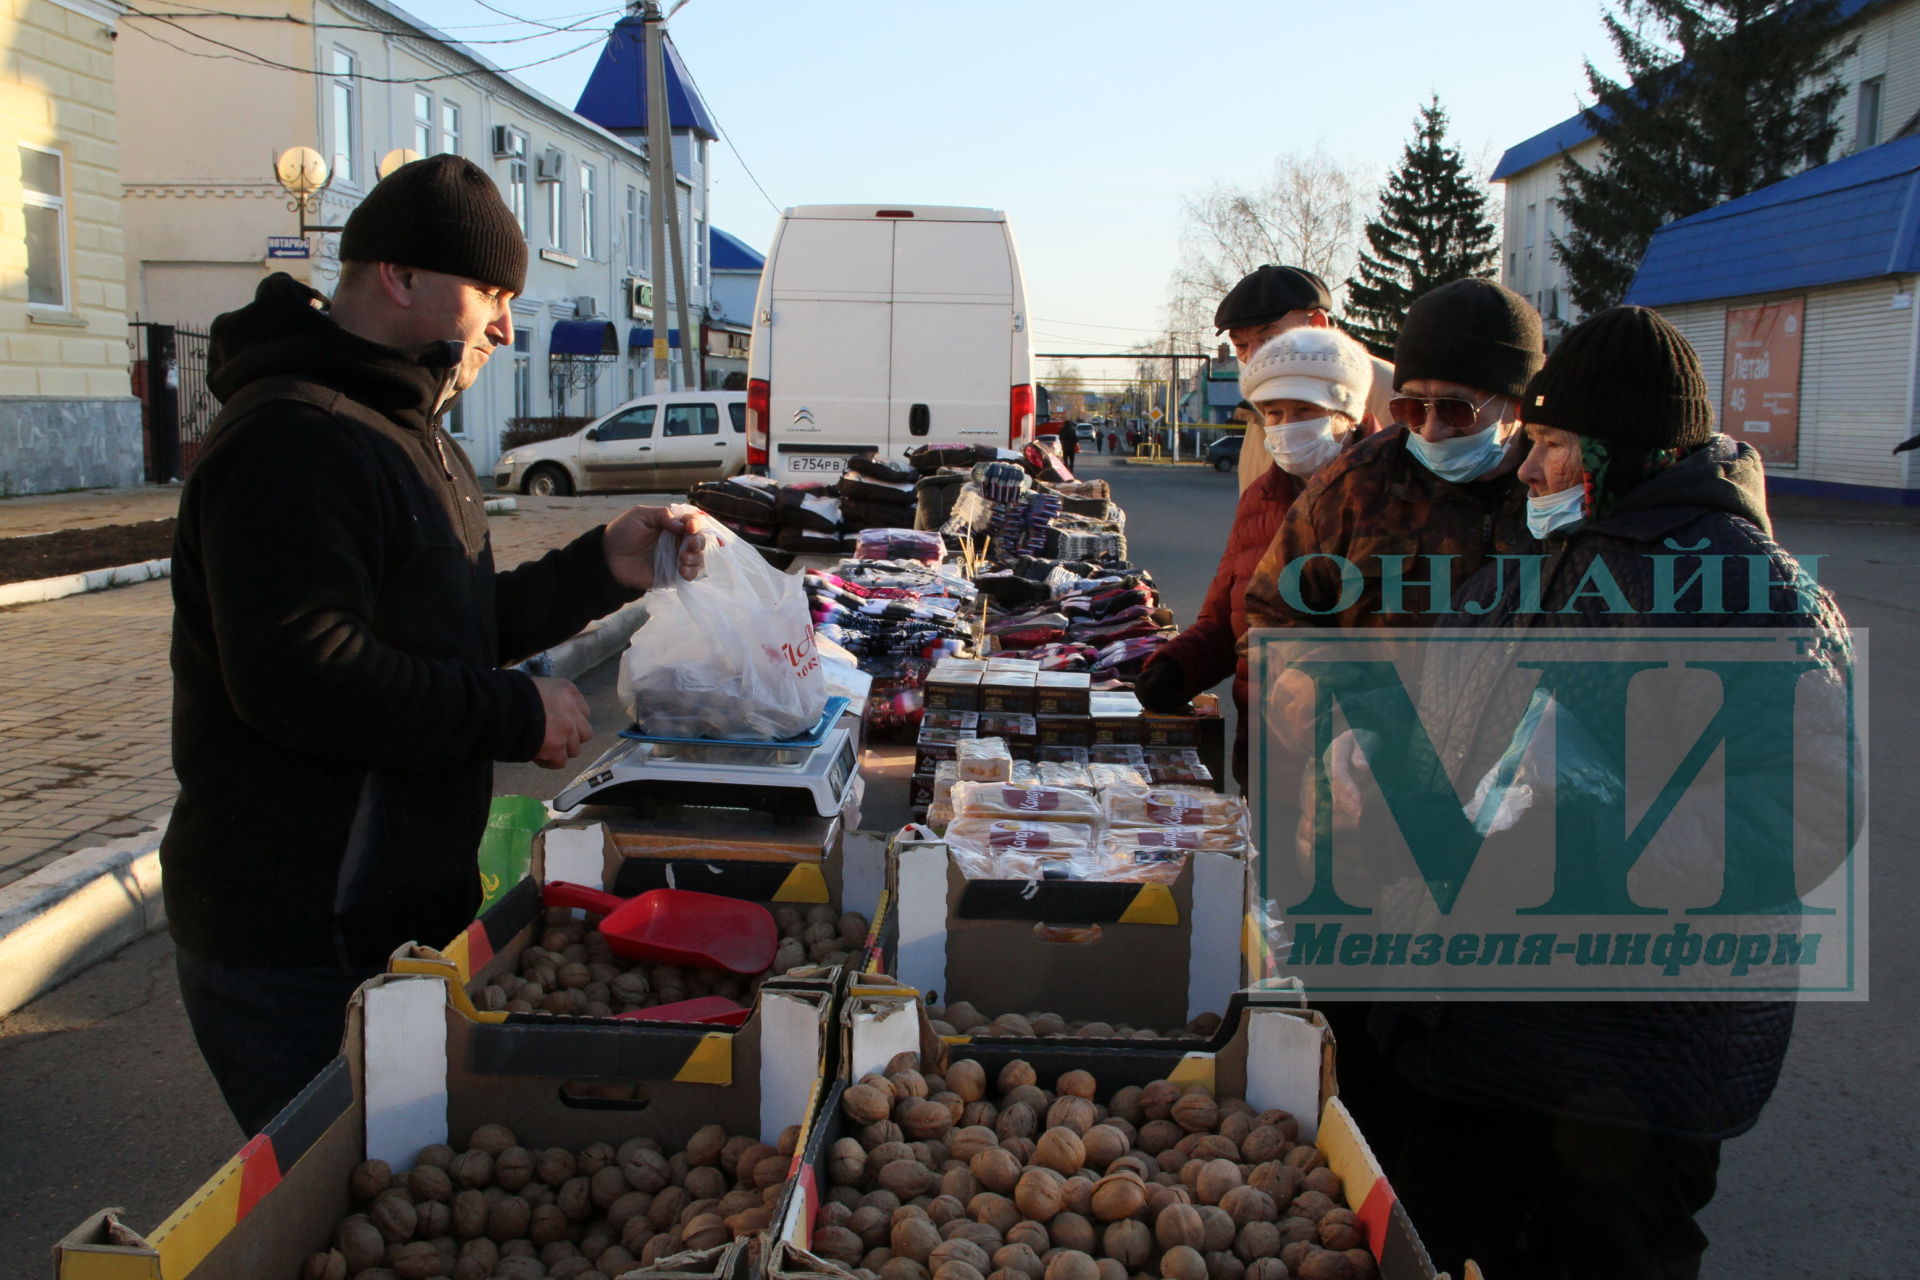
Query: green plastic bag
[{"x": 506, "y": 849}]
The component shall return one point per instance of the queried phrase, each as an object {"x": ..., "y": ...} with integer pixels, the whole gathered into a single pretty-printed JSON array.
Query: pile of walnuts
[
  {"x": 961, "y": 1019},
  {"x": 500, "y": 1211},
  {"x": 957, "y": 1176},
  {"x": 572, "y": 971}
]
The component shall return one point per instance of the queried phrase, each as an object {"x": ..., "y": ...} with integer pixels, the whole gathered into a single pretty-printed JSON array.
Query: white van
[
  {"x": 885, "y": 327},
  {"x": 663, "y": 443}
]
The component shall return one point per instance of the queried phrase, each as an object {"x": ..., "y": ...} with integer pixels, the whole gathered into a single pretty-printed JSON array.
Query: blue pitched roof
[
  {"x": 1570, "y": 133},
  {"x": 616, "y": 94},
  {"x": 1854, "y": 219},
  {"x": 730, "y": 253}
]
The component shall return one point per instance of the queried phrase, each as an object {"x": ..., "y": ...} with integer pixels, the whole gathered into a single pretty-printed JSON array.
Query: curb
[
  {"x": 76, "y": 912},
  {"x": 82, "y": 908},
  {"x": 40, "y": 590}
]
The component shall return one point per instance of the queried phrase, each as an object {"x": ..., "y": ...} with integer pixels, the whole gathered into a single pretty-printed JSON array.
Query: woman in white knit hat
[{"x": 1310, "y": 386}]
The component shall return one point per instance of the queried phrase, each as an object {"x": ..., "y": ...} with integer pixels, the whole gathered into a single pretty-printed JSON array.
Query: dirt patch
[{"x": 54, "y": 555}]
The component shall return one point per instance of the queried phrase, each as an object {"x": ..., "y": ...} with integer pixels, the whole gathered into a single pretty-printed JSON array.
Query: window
[
  {"x": 738, "y": 412},
  {"x": 589, "y": 232},
  {"x": 700, "y": 254},
  {"x": 1533, "y": 218},
  {"x": 692, "y": 420},
  {"x": 522, "y": 373},
  {"x": 44, "y": 196},
  {"x": 423, "y": 122},
  {"x": 454, "y": 422},
  {"x": 590, "y": 397},
  {"x": 450, "y": 127},
  {"x": 557, "y": 214},
  {"x": 1867, "y": 132},
  {"x": 634, "y": 424},
  {"x": 646, "y": 236},
  {"x": 519, "y": 182},
  {"x": 341, "y": 91},
  {"x": 633, "y": 228}
]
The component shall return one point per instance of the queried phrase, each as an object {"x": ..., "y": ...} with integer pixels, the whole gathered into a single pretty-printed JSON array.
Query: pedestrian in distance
[
  {"x": 1271, "y": 300},
  {"x": 1310, "y": 388},
  {"x": 340, "y": 632},
  {"x": 1069, "y": 443}
]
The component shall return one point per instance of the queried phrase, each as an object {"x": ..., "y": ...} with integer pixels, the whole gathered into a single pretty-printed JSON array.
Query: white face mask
[
  {"x": 1555, "y": 511},
  {"x": 1302, "y": 448},
  {"x": 1460, "y": 458}
]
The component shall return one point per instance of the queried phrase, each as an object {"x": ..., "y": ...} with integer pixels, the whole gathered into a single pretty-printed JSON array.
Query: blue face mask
[
  {"x": 1459, "y": 458},
  {"x": 1555, "y": 511}
]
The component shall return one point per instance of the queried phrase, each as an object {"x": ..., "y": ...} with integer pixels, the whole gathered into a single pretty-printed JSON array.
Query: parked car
[
  {"x": 1224, "y": 453},
  {"x": 883, "y": 327},
  {"x": 662, "y": 443}
]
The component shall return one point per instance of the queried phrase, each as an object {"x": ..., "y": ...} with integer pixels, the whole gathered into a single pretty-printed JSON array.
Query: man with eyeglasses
[
  {"x": 1439, "y": 482},
  {"x": 1271, "y": 300}
]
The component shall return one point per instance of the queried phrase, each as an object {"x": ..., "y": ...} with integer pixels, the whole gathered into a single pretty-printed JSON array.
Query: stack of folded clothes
[{"x": 878, "y": 495}]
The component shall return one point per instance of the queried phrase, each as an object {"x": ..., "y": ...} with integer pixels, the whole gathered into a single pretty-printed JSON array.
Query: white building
[
  {"x": 206, "y": 218},
  {"x": 1882, "y": 79}
]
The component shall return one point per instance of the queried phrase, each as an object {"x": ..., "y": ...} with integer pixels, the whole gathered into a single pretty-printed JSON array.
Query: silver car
[{"x": 661, "y": 443}]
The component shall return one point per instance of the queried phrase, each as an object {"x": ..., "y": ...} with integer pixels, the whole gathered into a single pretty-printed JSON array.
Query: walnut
[
  {"x": 1324, "y": 1264},
  {"x": 1038, "y": 1193},
  {"x": 1016, "y": 1121},
  {"x": 469, "y": 1214},
  {"x": 1016, "y": 1073},
  {"x": 1072, "y": 1112},
  {"x": 1157, "y": 1136},
  {"x": 416, "y": 1261},
  {"x": 1180, "y": 1224},
  {"x": 1311, "y": 1204},
  {"x": 866, "y": 1103},
  {"x": 994, "y": 1210},
  {"x": 1306, "y": 1157},
  {"x": 1248, "y": 1204},
  {"x": 1070, "y": 1230},
  {"x": 1157, "y": 1099},
  {"x": 914, "y": 1238},
  {"x": 1326, "y": 1182},
  {"x": 369, "y": 1179},
  {"x": 1032, "y": 1234},
  {"x": 1126, "y": 1104},
  {"x": 1258, "y": 1239},
  {"x": 1020, "y": 1259},
  {"x": 360, "y": 1243},
  {"x": 394, "y": 1218},
  {"x": 508, "y": 1218},
  {"x": 1267, "y": 1269},
  {"x": 1182, "y": 1262},
  {"x": 1216, "y": 1178},
  {"x": 1364, "y": 1267},
  {"x": 492, "y": 1139},
  {"x": 1222, "y": 1265},
  {"x": 1061, "y": 1150},
  {"x": 1281, "y": 1181},
  {"x": 905, "y": 1178},
  {"x": 1072, "y": 1264},
  {"x": 555, "y": 1166},
  {"x": 923, "y": 1118},
  {"x": 1118, "y": 1196},
  {"x": 968, "y": 1079},
  {"x": 1194, "y": 1112},
  {"x": 439, "y": 1155},
  {"x": 427, "y": 1182},
  {"x": 1340, "y": 1231},
  {"x": 707, "y": 1231}
]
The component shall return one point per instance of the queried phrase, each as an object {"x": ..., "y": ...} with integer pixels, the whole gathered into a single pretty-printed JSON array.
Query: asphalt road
[{"x": 103, "y": 1100}]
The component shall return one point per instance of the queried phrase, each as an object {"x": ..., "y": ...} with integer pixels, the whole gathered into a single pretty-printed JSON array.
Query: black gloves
[{"x": 1162, "y": 689}]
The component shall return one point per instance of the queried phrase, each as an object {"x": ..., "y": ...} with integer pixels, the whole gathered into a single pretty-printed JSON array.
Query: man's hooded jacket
[{"x": 339, "y": 633}]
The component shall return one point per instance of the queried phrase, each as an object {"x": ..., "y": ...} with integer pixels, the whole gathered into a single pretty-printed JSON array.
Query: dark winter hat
[
  {"x": 1269, "y": 293},
  {"x": 1625, "y": 376},
  {"x": 1473, "y": 332},
  {"x": 439, "y": 214}
]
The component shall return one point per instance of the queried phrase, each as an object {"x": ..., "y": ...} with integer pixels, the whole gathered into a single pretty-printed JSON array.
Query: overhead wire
[{"x": 181, "y": 9}]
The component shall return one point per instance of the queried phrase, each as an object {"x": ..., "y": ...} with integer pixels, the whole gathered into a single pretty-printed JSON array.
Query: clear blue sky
[{"x": 1087, "y": 122}]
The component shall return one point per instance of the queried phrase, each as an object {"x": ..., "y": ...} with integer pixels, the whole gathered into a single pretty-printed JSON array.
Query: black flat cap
[{"x": 1269, "y": 293}]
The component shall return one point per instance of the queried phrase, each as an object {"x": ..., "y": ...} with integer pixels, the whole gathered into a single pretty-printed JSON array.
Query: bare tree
[{"x": 1307, "y": 212}]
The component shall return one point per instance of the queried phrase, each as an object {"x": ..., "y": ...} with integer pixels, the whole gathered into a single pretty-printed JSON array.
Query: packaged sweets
[
  {"x": 983, "y": 760},
  {"x": 1035, "y": 803}
]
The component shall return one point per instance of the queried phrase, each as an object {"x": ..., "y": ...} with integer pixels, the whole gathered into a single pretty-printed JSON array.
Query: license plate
[{"x": 808, "y": 462}]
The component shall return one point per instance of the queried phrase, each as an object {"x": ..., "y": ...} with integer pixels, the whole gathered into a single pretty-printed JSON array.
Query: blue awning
[
  {"x": 584, "y": 338},
  {"x": 641, "y": 339}
]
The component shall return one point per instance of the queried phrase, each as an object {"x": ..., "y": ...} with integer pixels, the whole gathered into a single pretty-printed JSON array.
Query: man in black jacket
[{"x": 339, "y": 633}]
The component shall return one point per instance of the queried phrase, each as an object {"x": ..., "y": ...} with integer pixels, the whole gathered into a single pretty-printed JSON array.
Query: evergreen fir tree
[
  {"x": 1721, "y": 97},
  {"x": 1432, "y": 229}
]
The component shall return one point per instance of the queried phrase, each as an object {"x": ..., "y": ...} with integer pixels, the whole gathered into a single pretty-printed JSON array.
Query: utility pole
[{"x": 665, "y": 228}]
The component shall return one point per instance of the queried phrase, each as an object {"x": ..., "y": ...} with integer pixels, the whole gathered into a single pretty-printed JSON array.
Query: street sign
[
  {"x": 1155, "y": 414},
  {"x": 288, "y": 247}
]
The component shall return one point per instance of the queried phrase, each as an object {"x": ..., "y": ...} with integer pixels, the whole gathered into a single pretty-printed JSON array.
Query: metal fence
[{"x": 170, "y": 376}]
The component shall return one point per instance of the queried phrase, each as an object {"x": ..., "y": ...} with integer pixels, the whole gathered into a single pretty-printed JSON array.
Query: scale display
[{"x": 771, "y": 778}]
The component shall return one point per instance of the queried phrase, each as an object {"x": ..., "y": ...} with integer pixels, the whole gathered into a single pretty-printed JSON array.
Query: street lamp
[{"x": 303, "y": 173}]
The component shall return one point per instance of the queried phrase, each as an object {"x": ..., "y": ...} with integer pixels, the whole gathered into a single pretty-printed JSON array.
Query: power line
[
  {"x": 239, "y": 54},
  {"x": 724, "y": 135},
  {"x": 184, "y": 10},
  {"x": 1088, "y": 324}
]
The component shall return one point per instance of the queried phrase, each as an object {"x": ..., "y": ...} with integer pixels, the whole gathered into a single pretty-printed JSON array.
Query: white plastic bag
[{"x": 728, "y": 655}]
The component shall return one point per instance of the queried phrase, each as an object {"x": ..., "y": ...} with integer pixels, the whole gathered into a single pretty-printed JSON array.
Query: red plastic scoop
[
  {"x": 678, "y": 926},
  {"x": 715, "y": 1009}
]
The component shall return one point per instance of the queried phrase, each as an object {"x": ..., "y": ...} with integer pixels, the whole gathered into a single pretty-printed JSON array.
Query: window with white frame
[
  {"x": 44, "y": 195},
  {"x": 423, "y": 122},
  {"x": 450, "y": 127},
  {"x": 589, "y": 230},
  {"x": 519, "y": 197},
  {"x": 700, "y": 254},
  {"x": 556, "y": 213},
  {"x": 522, "y": 373},
  {"x": 646, "y": 235},
  {"x": 343, "y": 115},
  {"x": 633, "y": 228},
  {"x": 1866, "y": 132}
]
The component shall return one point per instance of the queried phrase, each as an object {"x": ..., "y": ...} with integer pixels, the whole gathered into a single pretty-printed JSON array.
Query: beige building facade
[
  {"x": 357, "y": 80},
  {"x": 68, "y": 419}
]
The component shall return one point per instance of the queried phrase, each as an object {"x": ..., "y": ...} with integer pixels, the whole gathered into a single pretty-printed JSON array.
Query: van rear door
[
  {"x": 832, "y": 303},
  {"x": 952, "y": 318}
]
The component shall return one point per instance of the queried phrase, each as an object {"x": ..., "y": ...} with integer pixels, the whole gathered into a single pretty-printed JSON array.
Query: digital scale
[{"x": 812, "y": 775}]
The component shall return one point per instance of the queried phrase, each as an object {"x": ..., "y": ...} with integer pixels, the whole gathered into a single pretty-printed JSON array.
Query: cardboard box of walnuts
[
  {"x": 1146, "y": 955},
  {"x": 417, "y": 1077},
  {"x": 496, "y": 955},
  {"x": 1051, "y": 1164}
]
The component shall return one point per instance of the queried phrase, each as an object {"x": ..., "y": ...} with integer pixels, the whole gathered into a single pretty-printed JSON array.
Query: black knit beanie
[
  {"x": 1473, "y": 332},
  {"x": 439, "y": 214},
  {"x": 1625, "y": 376}
]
